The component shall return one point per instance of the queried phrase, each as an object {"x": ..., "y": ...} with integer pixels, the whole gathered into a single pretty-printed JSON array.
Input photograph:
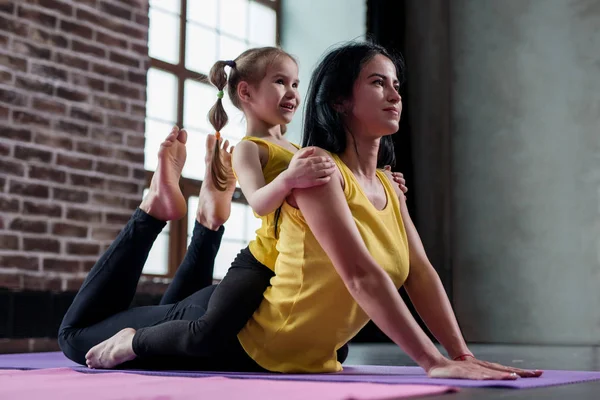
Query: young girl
[{"x": 263, "y": 84}]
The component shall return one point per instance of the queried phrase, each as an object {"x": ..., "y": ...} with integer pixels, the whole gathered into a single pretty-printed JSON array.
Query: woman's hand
[
  {"x": 449, "y": 369},
  {"x": 469, "y": 359}
]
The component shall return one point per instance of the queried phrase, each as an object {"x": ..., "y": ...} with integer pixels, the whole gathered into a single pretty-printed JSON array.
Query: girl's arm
[{"x": 305, "y": 170}]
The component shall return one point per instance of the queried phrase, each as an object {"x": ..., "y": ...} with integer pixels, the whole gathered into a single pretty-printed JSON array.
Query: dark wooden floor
[{"x": 584, "y": 358}]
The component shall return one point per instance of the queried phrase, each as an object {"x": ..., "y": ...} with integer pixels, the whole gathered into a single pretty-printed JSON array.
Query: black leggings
[{"x": 196, "y": 324}]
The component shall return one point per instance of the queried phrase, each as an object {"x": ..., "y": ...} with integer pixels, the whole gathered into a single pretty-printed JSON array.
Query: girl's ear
[{"x": 243, "y": 91}]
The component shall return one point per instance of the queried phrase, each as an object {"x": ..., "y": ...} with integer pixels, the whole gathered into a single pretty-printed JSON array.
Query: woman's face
[{"x": 376, "y": 105}]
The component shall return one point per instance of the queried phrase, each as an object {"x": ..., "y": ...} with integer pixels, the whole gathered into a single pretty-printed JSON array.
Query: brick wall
[{"x": 72, "y": 108}]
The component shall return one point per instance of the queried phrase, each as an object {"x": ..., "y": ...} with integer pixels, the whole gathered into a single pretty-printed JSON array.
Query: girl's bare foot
[
  {"x": 165, "y": 200},
  {"x": 112, "y": 352},
  {"x": 214, "y": 206}
]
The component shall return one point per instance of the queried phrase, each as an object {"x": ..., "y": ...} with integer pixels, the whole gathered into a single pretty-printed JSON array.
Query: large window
[{"x": 186, "y": 37}]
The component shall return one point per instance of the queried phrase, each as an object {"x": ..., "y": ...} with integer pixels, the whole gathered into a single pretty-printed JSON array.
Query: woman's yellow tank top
[
  {"x": 263, "y": 247},
  {"x": 307, "y": 313}
]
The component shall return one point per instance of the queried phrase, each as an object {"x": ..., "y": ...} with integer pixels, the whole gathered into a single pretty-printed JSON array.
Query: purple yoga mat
[{"x": 362, "y": 373}]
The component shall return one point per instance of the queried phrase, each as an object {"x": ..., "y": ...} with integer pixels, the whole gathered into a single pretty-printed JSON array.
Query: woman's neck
[{"x": 361, "y": 156}]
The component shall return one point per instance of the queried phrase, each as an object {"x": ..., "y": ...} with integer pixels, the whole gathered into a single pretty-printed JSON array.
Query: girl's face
[
  {"x": 275, "y": 99},
  {"x": 376, "y": 106}
]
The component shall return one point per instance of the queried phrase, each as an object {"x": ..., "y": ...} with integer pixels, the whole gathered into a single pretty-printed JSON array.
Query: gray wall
[
  {"x": 309, "y": 28},
  {"x": 525, "y": 123}
]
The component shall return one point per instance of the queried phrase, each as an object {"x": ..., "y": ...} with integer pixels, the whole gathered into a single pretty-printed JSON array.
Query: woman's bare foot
[
  {"x": 165, "y": 200},
  {"x": 214, "y": 206},
  {"x": 112, "y": 352}
]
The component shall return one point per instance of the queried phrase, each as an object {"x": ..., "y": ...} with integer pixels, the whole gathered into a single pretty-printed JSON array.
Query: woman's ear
[
  {"x": 341, "y": 106},
  {"x": 243, "y": 91}
]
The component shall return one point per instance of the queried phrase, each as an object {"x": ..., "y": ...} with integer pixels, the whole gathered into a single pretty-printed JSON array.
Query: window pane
[
  {"x": 263, "y": 25},
  {"x": 192, "y": 207},
  {"x": 163, "y": 36},
  {"x": 233, "y": 17},
  {"x": 194, "y": 165},
  {"x": 156, "y": 132},
  {"x": 200, "y": 48},
  {"x": 173, "y": 6},
  {"x": 225, "y": 256},
  {"x": 162, "y": 96},
  {"x": 198, "y": 100},
  {"x": 230, "y": 49},
  {"x": 203, "y": 12},
  {"x": 158, "y": 258},
  {"x": 235, "y": 227}
]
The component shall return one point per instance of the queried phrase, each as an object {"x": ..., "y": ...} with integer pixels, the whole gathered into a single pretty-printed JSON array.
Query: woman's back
[{"x": 308, "y": 313}]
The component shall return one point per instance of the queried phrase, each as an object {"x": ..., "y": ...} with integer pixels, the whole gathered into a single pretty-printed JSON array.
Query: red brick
[
  {"x": 27, "y": 118},
  {"x": 6, "y": 77},
  {"x": 71, "y": 94},
  {"x": 12, "y": 97},
  {"x": 135, "y": 33},
  {"x": 46, "y": 39},
  {"x": 73, "y": 284},
  {"x": 54, "y": 141},
  {"x": 136, "y": 141},
  {"x": 139, "y": 174},
  {"x": 8, "y": 205},
  {"x": 32, "y": 154},
  {"x": 115, "y": 10},
  {"x": 47, "y": 174},
  {"x": 142, "y": 19},
  {"x": 56, "y": 5},
  {"x": 8, "y": 132},
  {"x": 14, "y": 27},
  {"x": 97, "y": 150},
  {"x": 90, "y": 115},
  {"x": 70, "y": 195},
  {"x": 93, "y": 182},
  {"x": 100, "y": 134},
  {"x": 103, "y": 234},
  {"x": 84, "y": 215},
  {"x": 50, "y": 210},
  {"x": 29, "y": 226},
  {"x": 106, "y": 70},
  {"x": 132, "y": 156},
  {"x": 110, "y": 104},
  {"x": 111, "y": 41},
  {"x": 19, "y": 262},
  {"x": 29, "y": 189},
  {"x": 87, "y": 48},
  {"x": 41, "y": 244},
  {"x": 74, "y": 162},
  {"x": 140, "y": 49},
  {"x": 49, "y": 105},
  {"x": 34, "y": 85},
  {"x": 112, "y": 169},
  {"x": 136, "y": 77},
  {"x": 126, "y": 123},
  {"x": 123, "y": 187},
  {"x": 9, "y": 242},
  {"x": 125, "y": 91},
  {"x": 63, "y": 229},
  {"x": 83, "y": 249},
  {"x": 4, "y": 112},
  {"x": 13, "y": 62},
  {"x": 135, "y": 109},
  {"x": 97, "y": 19},
  {"x": 72, "y": 128},
  {"x": 4, "y": 149},
  {"x": 82, "y": 81},
  {"x": 49, "y": 71},
  {"x": 60, "y": 265},
  {"x": 12, "y": 168},
  {"x": 76, "y": 29},
  {"x": 86, "y": 266},
  {"x": 38, "y": 17},
  {"x": 9, "y": 8},
  {"x": 71, "y": 61},
  {"x": 105, "y": 200},
  {"x": 124, "y": 59},
  {"x": 118, "y": 219},
  {"x": 30, "y": 50}
]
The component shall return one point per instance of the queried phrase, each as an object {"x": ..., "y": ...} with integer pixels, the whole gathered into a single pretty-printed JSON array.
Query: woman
[{"x": 345, "y": 248}]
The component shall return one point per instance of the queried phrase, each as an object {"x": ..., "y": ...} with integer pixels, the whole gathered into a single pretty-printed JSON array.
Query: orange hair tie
[{"x": 218, "y": 135}]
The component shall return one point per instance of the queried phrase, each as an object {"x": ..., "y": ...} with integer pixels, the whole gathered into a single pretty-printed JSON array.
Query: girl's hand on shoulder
[
  {"x": 398, "y": 178},
  {"x": 307, "y": 170}
]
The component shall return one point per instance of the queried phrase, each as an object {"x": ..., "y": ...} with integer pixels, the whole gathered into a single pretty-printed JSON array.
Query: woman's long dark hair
[{"x": 332, "y": 82}]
